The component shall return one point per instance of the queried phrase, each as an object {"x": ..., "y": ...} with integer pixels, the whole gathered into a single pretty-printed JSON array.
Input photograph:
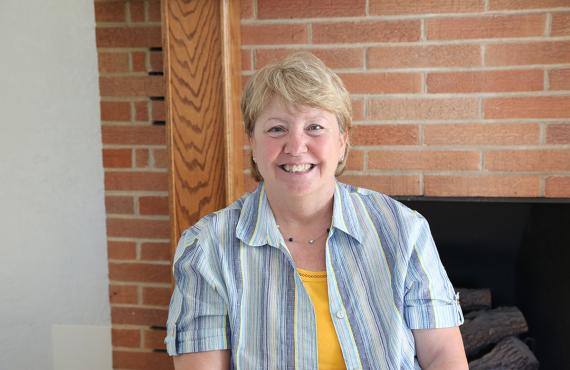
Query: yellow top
[{"x": 328, "y": 347}]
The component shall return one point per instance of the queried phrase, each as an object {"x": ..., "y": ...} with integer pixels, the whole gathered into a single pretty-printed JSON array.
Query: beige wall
[{"x": 54, "y": 309}]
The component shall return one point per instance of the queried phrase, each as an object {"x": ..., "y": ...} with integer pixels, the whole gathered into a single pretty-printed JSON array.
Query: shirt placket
[
  {"x": 339, "y": 316},
  {"x": 305, "y": 322}
]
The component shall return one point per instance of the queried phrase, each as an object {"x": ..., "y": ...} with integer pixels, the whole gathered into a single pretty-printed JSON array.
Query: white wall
[{"x": 53, "y": 262}]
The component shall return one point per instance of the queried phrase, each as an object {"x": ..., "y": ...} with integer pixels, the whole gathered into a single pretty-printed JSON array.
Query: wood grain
[{"x": 202, "y": 67}]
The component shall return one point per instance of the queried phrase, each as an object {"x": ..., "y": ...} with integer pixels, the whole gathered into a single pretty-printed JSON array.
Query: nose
[{"x": 296, "y": 142}]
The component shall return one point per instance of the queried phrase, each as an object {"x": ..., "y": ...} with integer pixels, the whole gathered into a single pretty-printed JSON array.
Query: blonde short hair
[{"x": 300, "y": 78}]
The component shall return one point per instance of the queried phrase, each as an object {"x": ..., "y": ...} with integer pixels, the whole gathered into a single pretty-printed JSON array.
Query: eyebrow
[{"x": 284, "y": 120}]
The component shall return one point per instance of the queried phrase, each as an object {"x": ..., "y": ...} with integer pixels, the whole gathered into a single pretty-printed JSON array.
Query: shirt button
[{"x": 340, "y": 314}]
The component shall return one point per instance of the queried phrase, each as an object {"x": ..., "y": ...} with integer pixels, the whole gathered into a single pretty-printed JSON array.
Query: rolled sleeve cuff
[
  {"x": 432, "y": 317},
  {"x": 177, "y": 346}
]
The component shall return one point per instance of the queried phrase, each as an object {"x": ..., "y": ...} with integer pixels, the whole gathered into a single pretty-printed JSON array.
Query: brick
[
  {"x": 117, "y": 158},
  {"x": 141, "y": 111},
  {"x": 142, "y": 360},
  {"x": 482, "y": 134},
  {"x": 158, "y": 110},
  {"x": 113, "y": 62},
  {"x": 392, "y": 185},
  {"x": 384, "y": 135},
  {"x": 119, "y": 204},
  {"x": 423, "y": 109},
  {"x": 246, "y": 60},
  {"x": 128, "y": 37},
  {"x": 143, "y": 181},
  {"x": 559, "y": 79},
  {"x": 527, "y": 107},
  {"x": 115, "y": 111},
  {"x": 528, "y": 160},
  {"x": 161, "y": 158},
  {"x": 110, "y": 11},
  {"x": 336, "y": 58},
  {"x": 138, "y": 316},
  {"x": 154, "y": 11},
  {"x": 121, "y": 250},
  {"x": 136, "y": 9},
  {"x": 488, "y": 81},
  {"x": 549, "y": 52},
  {"x": 557, "y": 187},
  {"x": 396, "y": 7},
  {"x": 156, "y": 296},
  {"x": 132, "y": 86},
  {"x": 560, "y": 24},
  {"x": 139, "y": 61},
  {"x": 482, "y": 186},
  {"x": 376, "y": 83},
  {"x": 424, "y": 56},
  {"x": 558, "y": 134},
  {"x": 424, "y": 160},
  {"x": 366, "y": 31},
  {"x": 526, "y": 4},
  {"x": 246, "y": 9},
  {"x": 142, "y": 158},
  {"x": 137, "y": 228},
  {"x": 355, "y": 160},
  {"x": 126, "y": 338},
  {"x": 150, "y": 205},
  {"x": 139, "y": 272},
  {"x": 308, "y": 9},
  {"x": 486, "y": 27},
  {"x": 357, "y": 109},
  {"x": 155, "y": 61},
  {"x": 134, "y": 135},
  {"x": 244, "y": 80},
  {"x": 156, "y": 251},
  {"x": 273, "y": 34},
  {"x": 154, "y": 339},
  {"x": 122, "y": 294}
]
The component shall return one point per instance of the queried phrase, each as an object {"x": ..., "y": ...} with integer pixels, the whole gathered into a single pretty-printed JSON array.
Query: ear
[
  {"x": 251, "y": 143},
  {"x": 343, "y": 142}
]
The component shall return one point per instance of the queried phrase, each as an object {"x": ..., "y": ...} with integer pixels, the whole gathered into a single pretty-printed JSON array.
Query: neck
[{"x": 309, "y": 211}]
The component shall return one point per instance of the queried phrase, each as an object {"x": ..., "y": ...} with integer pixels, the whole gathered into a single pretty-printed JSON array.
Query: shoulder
[
  {"x": 378, "y": 204},
  {"x": 212, "y": 229}
]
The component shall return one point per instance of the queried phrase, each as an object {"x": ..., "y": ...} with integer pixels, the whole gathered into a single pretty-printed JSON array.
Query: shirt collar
[
  {"x": 257, "y": 226},
  {"x": 345, "y": 217}
]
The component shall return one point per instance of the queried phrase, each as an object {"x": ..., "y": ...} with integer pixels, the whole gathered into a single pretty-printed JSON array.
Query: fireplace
[{"x": 520, "y": 249}]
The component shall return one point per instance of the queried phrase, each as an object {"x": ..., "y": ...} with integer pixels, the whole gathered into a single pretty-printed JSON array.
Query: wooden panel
[{"x": 202, "y": 67}]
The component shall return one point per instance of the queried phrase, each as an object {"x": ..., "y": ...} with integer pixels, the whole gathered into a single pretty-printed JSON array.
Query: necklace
[{"x": 290, "y": 239}]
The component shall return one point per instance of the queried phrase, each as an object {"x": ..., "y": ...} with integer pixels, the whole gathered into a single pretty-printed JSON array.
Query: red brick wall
[
  {"x": 451, "y": 98},
  {"x": 134, "y": 156}
]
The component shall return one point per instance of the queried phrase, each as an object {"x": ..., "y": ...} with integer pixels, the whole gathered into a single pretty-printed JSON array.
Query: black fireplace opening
[{"x": 518, "y": 248}]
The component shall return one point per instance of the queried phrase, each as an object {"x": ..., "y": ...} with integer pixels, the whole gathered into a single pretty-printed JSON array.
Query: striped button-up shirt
[{"x": 236, "y": 286}]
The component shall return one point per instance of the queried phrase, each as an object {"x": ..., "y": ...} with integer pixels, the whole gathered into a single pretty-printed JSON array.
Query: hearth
[{"x": 517, "y": 248}]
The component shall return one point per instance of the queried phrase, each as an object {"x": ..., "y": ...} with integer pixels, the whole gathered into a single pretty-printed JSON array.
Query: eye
[
  {"x": 315, "y": 129},
  {"x": 276, "y": 131}
]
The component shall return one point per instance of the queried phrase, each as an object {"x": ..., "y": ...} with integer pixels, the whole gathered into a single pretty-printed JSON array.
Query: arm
[
  {"x": 212, "y": 360},
  {"x": 440, "y": 349}
]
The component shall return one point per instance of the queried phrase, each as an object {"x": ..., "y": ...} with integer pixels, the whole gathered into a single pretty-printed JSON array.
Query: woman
[{"x": 306, "y": 272}]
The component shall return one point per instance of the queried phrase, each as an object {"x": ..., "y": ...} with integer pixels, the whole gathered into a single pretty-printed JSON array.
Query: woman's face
[{"x": 297, "y": 148}]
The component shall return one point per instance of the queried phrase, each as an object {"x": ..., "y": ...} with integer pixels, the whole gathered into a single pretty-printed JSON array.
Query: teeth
[{"x": 293, "y": 168}]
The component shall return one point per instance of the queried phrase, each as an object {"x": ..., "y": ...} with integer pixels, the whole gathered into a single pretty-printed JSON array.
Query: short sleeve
[
  {"x": 198, "y": 315},
  {"x": 430, "y": 300}
]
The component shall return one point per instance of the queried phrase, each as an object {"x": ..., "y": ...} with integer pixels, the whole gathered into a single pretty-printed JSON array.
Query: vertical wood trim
[
  {"x": 232, "y": 90},
  {"x": 202, "y": 66}
]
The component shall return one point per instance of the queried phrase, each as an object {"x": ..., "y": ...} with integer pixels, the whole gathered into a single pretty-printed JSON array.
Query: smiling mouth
[{"x": 297, "y": 168}]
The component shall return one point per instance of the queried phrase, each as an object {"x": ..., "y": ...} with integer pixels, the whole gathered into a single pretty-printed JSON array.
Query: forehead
[{"x": 279, "y": 108}]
